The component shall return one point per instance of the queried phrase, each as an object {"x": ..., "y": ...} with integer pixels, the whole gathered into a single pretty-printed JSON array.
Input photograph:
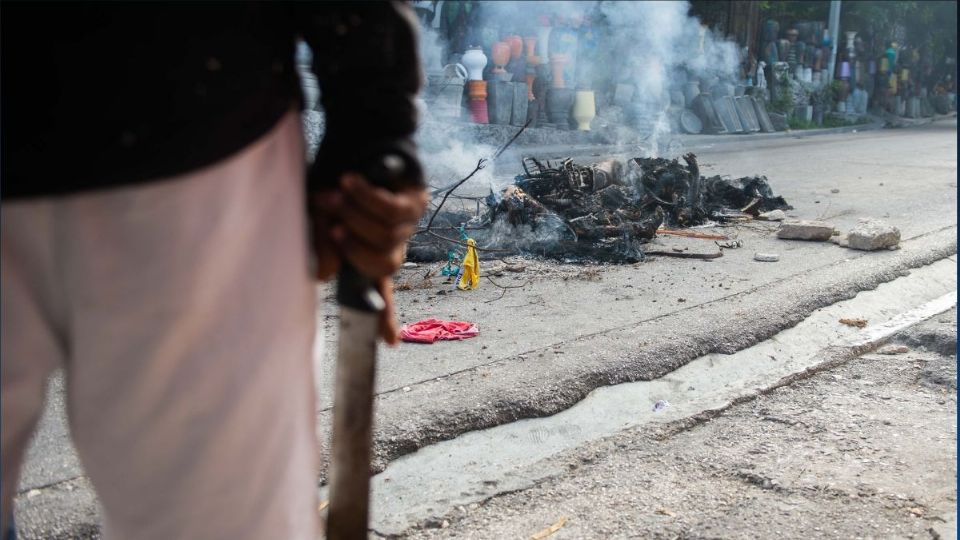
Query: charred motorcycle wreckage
[{"x": 604, "y": 211}]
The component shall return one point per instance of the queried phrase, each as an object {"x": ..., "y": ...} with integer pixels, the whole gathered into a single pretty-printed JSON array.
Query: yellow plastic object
[{"x": 470, "y": 268}]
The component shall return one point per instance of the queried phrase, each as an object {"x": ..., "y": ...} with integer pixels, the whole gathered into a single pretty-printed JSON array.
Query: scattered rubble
[
  {"x": 873, "y": 234},
  {"x": 730, "y": 244},
  {"x": 857, "y": 323},
  {"x": 773, "y": 215},
  {"x": 805, "y": 230},
  {"x": 893, "y": 349},
  {"x": 840, "y": 240}
]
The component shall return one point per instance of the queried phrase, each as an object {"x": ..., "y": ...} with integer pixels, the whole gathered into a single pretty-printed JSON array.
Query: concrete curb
[
  {"x": 407, "y": 422},
  {"x": 789, "y": 133},
  {"x": 688, "y": 141},
  {"x": 896, "y": 122},
  {"x": 693, "y": 142},
  {"x": 834, "y": 356}
]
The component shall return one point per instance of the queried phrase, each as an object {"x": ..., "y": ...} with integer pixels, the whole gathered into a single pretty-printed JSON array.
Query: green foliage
[
  {"x": 926, "y": 22},
  {"x": 782, "y": 100},
  {"x": 835, "y": 89},
  {"x": 783, "y": 103},
  {"x": 800, "y": 123},
  {"x": 930, "y": 23},
  {"x": 829, "y": 121},
  {"x": 877, "y": 17},
  {"x": 826, "y": 95},
  {"x": 793, "y": 11}
]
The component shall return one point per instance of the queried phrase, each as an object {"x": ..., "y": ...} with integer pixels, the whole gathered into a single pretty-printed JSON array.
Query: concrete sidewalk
[{"x": 866, "y": 449}]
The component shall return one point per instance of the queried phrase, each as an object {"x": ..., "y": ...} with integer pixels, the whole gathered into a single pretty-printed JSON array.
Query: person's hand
[
  {"x": 366, "y": 224},
  {"x": 369, "y": 226},
  {"x": 389, "y": 330},
  {"x": 326, "y": 206}
]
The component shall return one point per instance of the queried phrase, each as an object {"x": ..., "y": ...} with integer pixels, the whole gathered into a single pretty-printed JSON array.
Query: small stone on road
[{"x": 805, "y": 230}]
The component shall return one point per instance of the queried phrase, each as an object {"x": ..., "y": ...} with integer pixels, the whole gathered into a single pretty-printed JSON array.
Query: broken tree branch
[
  {"x": 524, "y": 284},
  {"x": 450, "y": 188},
  {"x": 464, "y": 244},
  {"x": 692, "y": 234},
  {"x": 702, "y": 256},
  {"x": 503, "y": 293},
  {"x": 480, "y": 164},
  {"x": 504, "y": 147}
]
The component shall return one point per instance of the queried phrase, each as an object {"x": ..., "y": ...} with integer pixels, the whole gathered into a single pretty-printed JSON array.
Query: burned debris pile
[
  {"x": 603, "y": 211},
  {"x": 689, "y": 199}
]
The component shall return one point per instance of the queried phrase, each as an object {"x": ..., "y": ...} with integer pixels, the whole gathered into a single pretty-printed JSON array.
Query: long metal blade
[{"x": 352, "y": 425}]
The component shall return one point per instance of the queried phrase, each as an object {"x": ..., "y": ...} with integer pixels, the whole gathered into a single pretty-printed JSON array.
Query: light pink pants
[{"x": 183, "y": 314}]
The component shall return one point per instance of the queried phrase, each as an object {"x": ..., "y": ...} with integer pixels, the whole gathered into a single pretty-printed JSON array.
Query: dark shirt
[{"x": 96, "y": 95}]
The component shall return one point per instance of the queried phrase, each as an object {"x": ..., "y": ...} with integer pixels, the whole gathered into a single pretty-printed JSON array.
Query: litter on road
[
  {"x": 858, "y": 323},
  {"x": 773, "y": 215},
  {"x": 661, "y": 405},
  {"x": 766, "y": 257},
  {"x": 433, "y": 330},
  {"x": 469, "y": 277},
  {"x": 730, "y": 244},
  {"x": 549, "y": 530}
]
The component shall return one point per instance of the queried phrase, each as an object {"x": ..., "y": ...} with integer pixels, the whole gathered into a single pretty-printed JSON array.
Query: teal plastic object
[{"x": 452, "y": 267}]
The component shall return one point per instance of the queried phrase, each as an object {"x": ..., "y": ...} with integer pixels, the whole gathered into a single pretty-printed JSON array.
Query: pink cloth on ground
[{"x": 431, "y": 330}]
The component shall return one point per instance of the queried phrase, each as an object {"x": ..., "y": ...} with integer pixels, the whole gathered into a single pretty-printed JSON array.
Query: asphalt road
[{"x": 572, "y": 328}]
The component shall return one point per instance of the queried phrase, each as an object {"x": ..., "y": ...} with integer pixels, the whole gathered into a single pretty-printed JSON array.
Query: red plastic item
[
  {"x": 479, "y": 111},
  {"x": 432, "y": 330}
]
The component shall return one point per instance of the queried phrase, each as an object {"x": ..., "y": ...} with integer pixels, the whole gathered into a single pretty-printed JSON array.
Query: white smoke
[
  {"x": 652, "y": 46},
  {"x": 431, "y": 52},
  {"x": 456, "y": 160},
  {"x": 659, "y": 41}
]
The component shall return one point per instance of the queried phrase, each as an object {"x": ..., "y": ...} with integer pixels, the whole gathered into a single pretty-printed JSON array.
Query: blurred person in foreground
[{"x": 158, "y": 219}]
